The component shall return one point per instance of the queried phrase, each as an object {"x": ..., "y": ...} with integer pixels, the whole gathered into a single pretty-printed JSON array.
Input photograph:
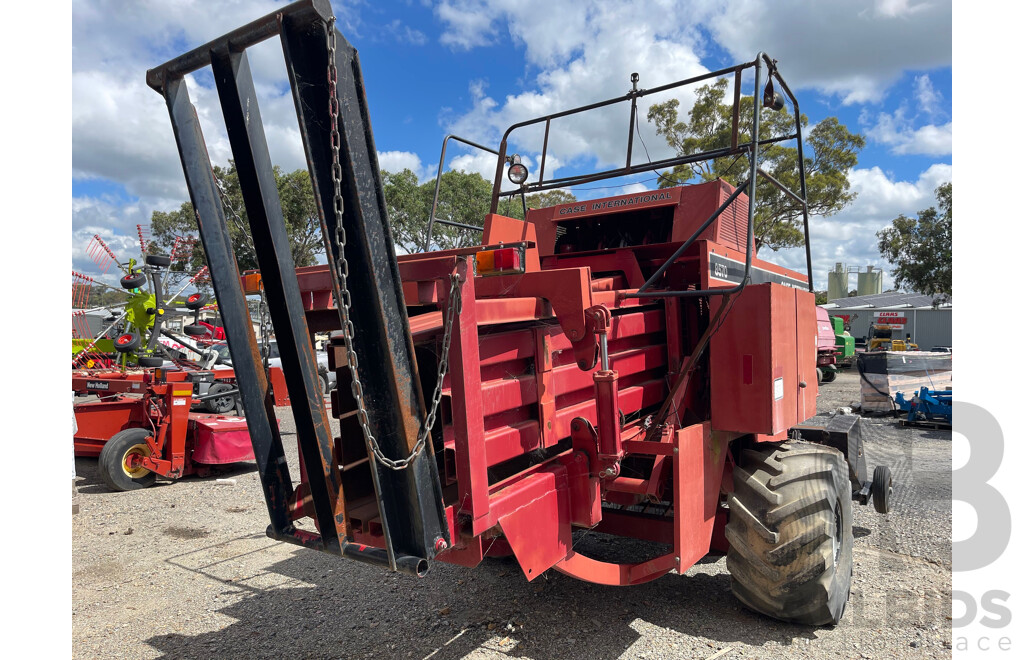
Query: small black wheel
[
  {"x": 150, "y": 361},
  {"x": 133, "y": 281},
  {"x": 820, "y": 376},
  {"x": 116, "y": 461},
  {"x": 127, "y": 342},
  {"x": 158, "y": 260},
  {"x": 828, "y": 375},
  {"x": 196, "y": 330},
  {"x": 881, "y": 489},
  {"x": 220, "y": 404},
  {"x": 196, "y": 301}
]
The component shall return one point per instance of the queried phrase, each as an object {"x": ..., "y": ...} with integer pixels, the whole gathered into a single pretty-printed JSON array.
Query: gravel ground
[{"x": 183, "y": 570}]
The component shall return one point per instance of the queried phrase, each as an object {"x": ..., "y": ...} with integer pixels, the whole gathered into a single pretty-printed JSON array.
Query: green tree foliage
[
  {"x": 297, "y": 203},
  {"x": 820, "y": 297},
  {"x": 830, "y": 150},
  {"x": 463, "y": 197},
  {"x": 512, "y": 207},
  {"x": 921, "y": 248}
]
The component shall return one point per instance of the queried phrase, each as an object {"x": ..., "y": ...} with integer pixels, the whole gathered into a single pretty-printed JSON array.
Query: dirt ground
[{"x": 184, "y": 570}]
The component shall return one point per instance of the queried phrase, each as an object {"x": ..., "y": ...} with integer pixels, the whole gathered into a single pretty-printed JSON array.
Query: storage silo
[
  {"x": 838, "y": 282},
  {"x": 869, "y": 282}
]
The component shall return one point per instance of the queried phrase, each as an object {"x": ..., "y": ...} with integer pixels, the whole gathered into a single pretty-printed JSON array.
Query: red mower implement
[
  {"x": 147, "y": 423},
  {"x": 627, "y": 365}
]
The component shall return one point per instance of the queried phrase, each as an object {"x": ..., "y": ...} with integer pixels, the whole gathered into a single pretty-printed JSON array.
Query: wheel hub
[{"x": 131, "y": 464}]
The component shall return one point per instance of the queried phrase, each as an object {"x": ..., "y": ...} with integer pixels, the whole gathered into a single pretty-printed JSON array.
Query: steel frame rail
[
  {"x": 437, "y": 188},
  {"x": 750, "y": 148},
  {"x": 410, "y": 503}
]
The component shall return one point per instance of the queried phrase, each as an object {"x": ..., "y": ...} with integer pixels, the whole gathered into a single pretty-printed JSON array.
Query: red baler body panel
[
  {"x": 521, "y": 453},
  {"x": 763, "y": 361}
]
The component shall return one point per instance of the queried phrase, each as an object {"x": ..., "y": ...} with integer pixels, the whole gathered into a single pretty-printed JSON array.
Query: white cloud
[
  {"x": 121, "y": 132},
  {"x": 115, "y": 223},
  {"x": 927, "y": 96},
  {"x": 579, "y": 47},
  {"x": 898, "y": 8},
  {"x": 578, "y": 54},
  {"x": 897, "y": 132},
  {"x": 849, "y": 236},
  {"x": 634, "y": 188},
  {"x": 396, "y": 161},
  {"x": 837, "y": 47},
  {"x": 481, "y": 162},
  {"x": 402, "y": 33},
  {"x": 469, "y": 24}
]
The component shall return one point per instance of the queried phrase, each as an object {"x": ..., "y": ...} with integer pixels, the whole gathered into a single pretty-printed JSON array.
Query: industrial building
[{"x": 928, "y": 322}]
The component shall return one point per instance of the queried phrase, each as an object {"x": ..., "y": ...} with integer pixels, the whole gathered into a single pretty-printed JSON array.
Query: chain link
[
  {"x": 265, "y": 326},
  {"x": 345, "y": 304}
]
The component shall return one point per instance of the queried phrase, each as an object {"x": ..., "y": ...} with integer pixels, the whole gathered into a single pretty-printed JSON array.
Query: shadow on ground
[
  {"x": 353, "y": 610},
  {"x": 89, "y": 481}
]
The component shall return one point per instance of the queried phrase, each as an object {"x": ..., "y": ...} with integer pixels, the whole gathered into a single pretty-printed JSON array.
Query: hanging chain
[
  {"x": 344, "y": 305},
  {"x": 264, "y": 314}
]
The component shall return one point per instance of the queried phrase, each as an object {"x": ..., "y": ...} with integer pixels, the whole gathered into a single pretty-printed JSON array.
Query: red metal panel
[
  {"x": 219, "y": 440},
  {"x": 512, "y": 310},
  {"x": 784, "y": 360},
  {"x": 507, "y": 394},
  {"x": 511, "y": 441},
  {"x": 631, "y": 399},
  {"x": 628, "y": 330},
  {"x": 619, "y": 261},
  {"x": 567, "y": 290},
  {"x": 754, "y": 359},
  {"x": 506, "y": 346},
  {"x": 807, "y": 397},
  {"x": 698, "y": 203},
  {"x": 98, "y": 421},
  {"x": 539, "y": 532},
  {"x": 502, "y": 229},
  {"x": 697, "y": 481},
  {"x": 467, "y": 407},
  {"x": 569, "y": 378}
]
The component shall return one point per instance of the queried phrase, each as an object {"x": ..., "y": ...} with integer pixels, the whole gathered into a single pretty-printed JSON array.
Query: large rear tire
[{"x": 790, "y": 532}]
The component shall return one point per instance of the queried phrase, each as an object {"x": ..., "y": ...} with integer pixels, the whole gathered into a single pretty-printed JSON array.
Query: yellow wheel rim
[{"x": 141, "y": 449}]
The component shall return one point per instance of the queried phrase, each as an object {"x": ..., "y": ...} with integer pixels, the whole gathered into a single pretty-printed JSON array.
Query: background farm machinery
[
  {"x": 835, "y": 346},
  {"x": 927, "y": 405},
  {"x": 170, "y": 422},
  {"x": 156, "y": 401},
  {"x": 626, "y": 365},
  {"x": 138, "y": 335}
]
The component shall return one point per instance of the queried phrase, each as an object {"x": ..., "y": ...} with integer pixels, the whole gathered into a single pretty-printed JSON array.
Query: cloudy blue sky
[{"x": 473, "y": 67}]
